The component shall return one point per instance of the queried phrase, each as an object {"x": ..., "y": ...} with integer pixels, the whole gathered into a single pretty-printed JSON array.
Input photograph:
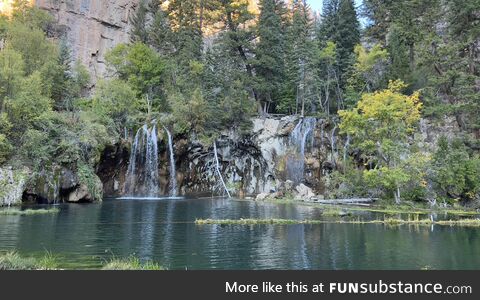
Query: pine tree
[
  {"x": 348, "y": 35},
  {"x": 300, "y": 50},
  {"x": 341, "y": 26},
  {"x": 269, "y": 60},
  {"x": 139, "y": 32}
]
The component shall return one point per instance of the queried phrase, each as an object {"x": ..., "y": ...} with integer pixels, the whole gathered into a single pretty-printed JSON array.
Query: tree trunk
[{"x": 397, "y": 195}]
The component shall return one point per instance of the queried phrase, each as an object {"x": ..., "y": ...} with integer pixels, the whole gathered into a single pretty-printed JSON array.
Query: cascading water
[
  {"x": 142, "y": 174},
  {"x": 298, "y": 141},
  {"x": 173, "y": 174}
]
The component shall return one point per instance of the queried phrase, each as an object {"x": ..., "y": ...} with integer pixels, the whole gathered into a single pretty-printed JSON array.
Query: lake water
[{"x": 85, "y": 236}]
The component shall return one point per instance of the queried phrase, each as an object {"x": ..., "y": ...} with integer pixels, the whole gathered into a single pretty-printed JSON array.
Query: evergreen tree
[
  {"x": 300, "y": 50},
  {"x": 270, "y": 51},
  {"x": 139, "y": 32},
  {"x": 347, "y": 36}
]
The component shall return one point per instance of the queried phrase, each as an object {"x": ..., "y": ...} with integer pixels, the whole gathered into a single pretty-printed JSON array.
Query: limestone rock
[
  {"x": 262, "y": 196},
  {"x": 92, "y": 27},
  {"x": 304, "y": 192},
  {"x": 12, "y": 185},
  {"x": 80, "y": 194}
]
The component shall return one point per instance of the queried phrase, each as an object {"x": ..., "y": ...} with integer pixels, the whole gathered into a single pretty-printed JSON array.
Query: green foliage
[
  {"x": 270, "y": 51},
  {"x": 380, "y": 126},
  {"x": 115, "y": 102},
  {"x": 35, "y": 148},
  {"x": 13, "y": 261},
  {"x": 368, "y": 73},
  {"x": 455, "y": 172},
  {"x": 5, "y": 149},
  {"x": 87, "y": 176},
  {"x": 30, "y": 103},
  {"x": 139, "y": 65},
  {"x": 131, "y": 263}
]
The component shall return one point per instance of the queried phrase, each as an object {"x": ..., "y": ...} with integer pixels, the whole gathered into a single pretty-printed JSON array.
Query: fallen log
[{"x": 345, "y": 201}]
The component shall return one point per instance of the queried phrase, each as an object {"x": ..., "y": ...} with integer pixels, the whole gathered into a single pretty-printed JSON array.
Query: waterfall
[
  {"x": 173, "y": 174},
  {"x": 298, "y": 141},
  {"x": 142, "y": 173}
]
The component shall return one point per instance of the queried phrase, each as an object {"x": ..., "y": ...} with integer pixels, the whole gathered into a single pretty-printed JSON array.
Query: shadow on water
[{"x": 162, "y": 229}]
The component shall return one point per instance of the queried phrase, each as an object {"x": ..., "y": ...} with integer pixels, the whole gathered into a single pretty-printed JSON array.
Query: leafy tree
[
  {"x": 380, "y": 126},
  {"x": 29, "y": 104},
  {"x": 116, "y": 103},
  {"x": 139, "y": 65},
  {"x": 368, "y": 73},
  {"x": 11, "y": 72},
  {"x": 32, "y": 44}
]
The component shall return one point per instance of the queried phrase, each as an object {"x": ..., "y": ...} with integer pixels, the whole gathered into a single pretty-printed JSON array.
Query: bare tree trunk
[
  {"x": 397, "y": 195},
  {"x": 217, "y": 164}
]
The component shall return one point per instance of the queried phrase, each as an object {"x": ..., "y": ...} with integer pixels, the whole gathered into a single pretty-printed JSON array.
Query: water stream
[
  {"x": 173, "y": 174},
  {"x": 299, "y": 138},
  {"x": 142, "y": 175}
]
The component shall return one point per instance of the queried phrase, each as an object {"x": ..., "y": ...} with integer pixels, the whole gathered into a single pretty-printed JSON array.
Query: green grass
[
  {"x": 13, "y": 261},
  {"x": 48, "y": 262},
  {"x": 130, "y": 263},
  {"x": 28, "y": 212}
]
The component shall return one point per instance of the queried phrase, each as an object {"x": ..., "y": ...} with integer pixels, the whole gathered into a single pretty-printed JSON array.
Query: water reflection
[{"x": 163, "y": 230}]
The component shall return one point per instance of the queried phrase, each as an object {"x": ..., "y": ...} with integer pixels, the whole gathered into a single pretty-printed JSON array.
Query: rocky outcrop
[
  {"x": 92, "y": 27},
  {"x": 56, "y": 185},
  {"x": 12, "y": 185},
  {"x": 259, "y": 162}
]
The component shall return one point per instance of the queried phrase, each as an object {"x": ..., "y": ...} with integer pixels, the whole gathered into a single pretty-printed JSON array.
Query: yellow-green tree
[{"x": 380, "y": 126}]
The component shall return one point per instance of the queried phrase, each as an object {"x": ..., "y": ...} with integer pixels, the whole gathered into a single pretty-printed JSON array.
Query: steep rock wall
[
  {"x": 92, "y": 27},
  {"x": 256, "y": 163}
]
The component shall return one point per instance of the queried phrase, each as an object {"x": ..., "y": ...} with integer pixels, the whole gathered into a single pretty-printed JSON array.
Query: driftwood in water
[{"x": 357, "y": 201}]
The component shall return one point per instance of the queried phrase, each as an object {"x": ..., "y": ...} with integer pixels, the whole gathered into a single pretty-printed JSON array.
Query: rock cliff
[{"x": 92, "y": 27}]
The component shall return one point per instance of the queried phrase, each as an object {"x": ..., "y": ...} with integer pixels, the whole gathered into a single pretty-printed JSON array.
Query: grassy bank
[
  {"x": 28, "y": 212},
  {"x": 14, "y": 261},
  {"x": 386, "y": 221}
]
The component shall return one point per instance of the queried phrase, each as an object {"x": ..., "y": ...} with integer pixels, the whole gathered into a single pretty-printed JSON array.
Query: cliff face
[{"x": 92, "y": 27}]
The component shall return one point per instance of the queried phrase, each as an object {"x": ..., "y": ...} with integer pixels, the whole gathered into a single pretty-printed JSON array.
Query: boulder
[
  {"x": 262, "y": 196},
  {"x": 81, "y": 194},
  {"x": 12, "y": 185},
  {"x": 304, "y": 192},
  {"x": 289, "y": 186},
  {"x": 68, "y": 179}
]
